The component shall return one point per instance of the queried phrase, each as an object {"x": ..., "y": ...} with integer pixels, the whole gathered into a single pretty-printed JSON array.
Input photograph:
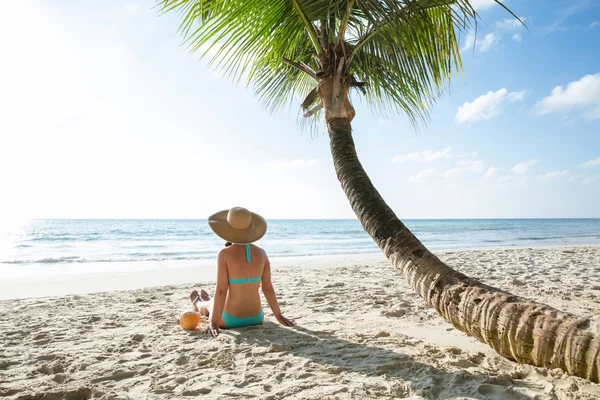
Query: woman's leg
[
  {"x": 204, "y": 304},
  {"x": 201, "y": 302}
]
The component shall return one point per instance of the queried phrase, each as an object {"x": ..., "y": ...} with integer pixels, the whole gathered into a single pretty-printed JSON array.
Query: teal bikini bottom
[{"x": 235, "y": 322}]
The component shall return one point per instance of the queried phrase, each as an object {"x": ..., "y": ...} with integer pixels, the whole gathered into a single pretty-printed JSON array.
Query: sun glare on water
[{"x": 11, "y": 230}]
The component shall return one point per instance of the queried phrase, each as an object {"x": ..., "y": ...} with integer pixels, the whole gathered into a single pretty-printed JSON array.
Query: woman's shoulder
[
  {"x": 260, "y": 249},
  {"x": 230, "y": 250},
  {"x": 224, "y": 252}
]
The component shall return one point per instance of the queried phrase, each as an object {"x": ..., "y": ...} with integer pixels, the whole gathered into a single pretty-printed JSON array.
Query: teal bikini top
[{"x": 245, "y": 280}]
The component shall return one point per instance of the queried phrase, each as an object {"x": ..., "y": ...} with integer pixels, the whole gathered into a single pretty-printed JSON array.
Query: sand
[{"x": 361, "y": 334}]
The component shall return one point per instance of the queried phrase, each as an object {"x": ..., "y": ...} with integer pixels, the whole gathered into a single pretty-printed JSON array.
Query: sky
[{"x": 104, "y": 113}]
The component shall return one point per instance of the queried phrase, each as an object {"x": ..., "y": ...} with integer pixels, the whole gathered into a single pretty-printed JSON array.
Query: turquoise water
[{"x": 81, "y": 241}]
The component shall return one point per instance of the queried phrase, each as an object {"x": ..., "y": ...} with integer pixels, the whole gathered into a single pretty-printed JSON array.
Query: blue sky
[{"x": 104, "y": 114}]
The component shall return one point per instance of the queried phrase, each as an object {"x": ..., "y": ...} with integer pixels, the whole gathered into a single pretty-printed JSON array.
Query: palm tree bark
[{"x": 517, "y": 328}]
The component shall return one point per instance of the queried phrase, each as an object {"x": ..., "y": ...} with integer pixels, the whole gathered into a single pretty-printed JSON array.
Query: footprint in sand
[
  {"x": 79, "y": 394},
  {"x": 115, "y": 375},
  {"x": 51, "y": 368},
  {"x": 394, "y": 312},
  {"x": 6, "y": 364},
  {"x": 59, "y": 378},
  {"x": 196, "y": 392},
  {"x": 496, "y": 392}
]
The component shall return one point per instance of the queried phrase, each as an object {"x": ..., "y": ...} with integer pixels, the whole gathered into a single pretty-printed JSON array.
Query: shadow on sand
[{"x": 410, "y": 377}]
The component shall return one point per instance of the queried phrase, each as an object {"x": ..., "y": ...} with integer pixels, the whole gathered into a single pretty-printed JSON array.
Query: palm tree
[{"x": 401, "y": 54}]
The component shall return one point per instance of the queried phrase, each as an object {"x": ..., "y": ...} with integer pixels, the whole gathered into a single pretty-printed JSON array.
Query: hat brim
[{"x": 256, "y": 230}]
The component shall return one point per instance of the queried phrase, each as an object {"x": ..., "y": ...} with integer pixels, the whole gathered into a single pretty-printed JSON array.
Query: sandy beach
[{"x": 361, "y": 334}]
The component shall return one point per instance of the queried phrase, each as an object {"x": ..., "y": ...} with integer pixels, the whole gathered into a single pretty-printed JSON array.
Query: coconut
[{"x": 189, "y": 320}]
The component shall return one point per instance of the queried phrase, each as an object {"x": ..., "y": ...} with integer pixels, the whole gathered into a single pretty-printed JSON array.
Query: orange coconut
[{"x": 189, "y": 320}]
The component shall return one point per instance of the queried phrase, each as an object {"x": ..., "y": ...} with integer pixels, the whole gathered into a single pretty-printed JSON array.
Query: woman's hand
[
  {"x": 284, "y": 321},
  {"x": 213, "y": 329}
]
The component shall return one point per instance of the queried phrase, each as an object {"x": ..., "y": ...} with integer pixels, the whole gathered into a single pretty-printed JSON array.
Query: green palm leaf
[{"x": 404, "y": 51}]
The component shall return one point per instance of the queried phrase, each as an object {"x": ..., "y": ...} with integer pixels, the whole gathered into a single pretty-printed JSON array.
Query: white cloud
[
  {"x": 510, "y": 24},
  {"x": 592, "y": 163},
  {"x": 494, "y": 173},
  {"x": 522, "y": 167},
  {"x": 424, "y": 156},
  {"x": 453, "y": 172},
  {"x": 471, "y": 165},
  {"x": 464, "y": 166},
  {"x": 486, "y": 106},
  {"x": 519, "y": 175},
  {"x": 469, "y": 42},
  {"x": 482, "y": 4},
  {"x": 424, "y": 175},
  {"x": 480, "y": 45},
  {"x": 556, "y": 27},
  {"x": 488, "y": 42},
  {"x": 483, "y": 107},
  {"x": 595, "y": 24},
  {"x": 552, "y": 176},
  {"x": 583, "y": 94},
  {"x": 516, "y": 96},
  {"x": 295, "y": 163}
]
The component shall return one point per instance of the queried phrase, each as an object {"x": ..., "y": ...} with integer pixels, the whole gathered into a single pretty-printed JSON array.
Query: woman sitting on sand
[{"x": 241, "y": 268}]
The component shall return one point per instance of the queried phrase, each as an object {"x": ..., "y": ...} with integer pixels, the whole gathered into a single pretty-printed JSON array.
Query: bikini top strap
[{"x": 248, "y": 256}]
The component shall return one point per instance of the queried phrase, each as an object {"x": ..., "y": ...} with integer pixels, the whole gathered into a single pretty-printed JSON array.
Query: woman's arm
[
  {"x": 269, "y": 292},
  {"x": 220, "y": 294}
]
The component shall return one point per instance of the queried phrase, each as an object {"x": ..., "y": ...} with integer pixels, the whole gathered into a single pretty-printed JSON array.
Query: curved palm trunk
[{"x": 517, "y": 328}]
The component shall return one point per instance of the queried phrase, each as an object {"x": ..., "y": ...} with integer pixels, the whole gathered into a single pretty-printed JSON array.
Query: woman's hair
[{"x": 227, "y": 244}]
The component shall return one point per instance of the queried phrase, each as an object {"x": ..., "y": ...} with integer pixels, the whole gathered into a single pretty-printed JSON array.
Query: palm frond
[
  {"x": 407, "y": 56},
  {"x": 404, "y": 52}
]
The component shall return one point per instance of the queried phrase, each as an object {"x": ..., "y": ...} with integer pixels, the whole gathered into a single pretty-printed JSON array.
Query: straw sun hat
[{"x": 238, "y": 225}]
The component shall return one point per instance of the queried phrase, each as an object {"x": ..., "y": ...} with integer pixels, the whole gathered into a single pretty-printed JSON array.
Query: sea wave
[
  {"x": 165, "y": 257},
  {"x": 536, "y": 238},
  {"x": 55, "y": 238},
  {"x": 83, "y": 241},
  {"x": 81, "y": 260},
  {"x": 46, "y": 260}
]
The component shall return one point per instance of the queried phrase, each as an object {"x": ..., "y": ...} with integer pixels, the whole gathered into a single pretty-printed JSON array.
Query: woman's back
[
  {"x": 245, "y": 266},
  {"x": 241, "y": 270}
]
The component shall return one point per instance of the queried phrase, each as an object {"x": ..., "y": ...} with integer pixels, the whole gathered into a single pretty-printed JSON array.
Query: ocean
[{"x": 77, "y": 242}]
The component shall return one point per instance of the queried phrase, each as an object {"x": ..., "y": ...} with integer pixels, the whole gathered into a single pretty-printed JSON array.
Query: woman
[{"x": 241, "y": 268}]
